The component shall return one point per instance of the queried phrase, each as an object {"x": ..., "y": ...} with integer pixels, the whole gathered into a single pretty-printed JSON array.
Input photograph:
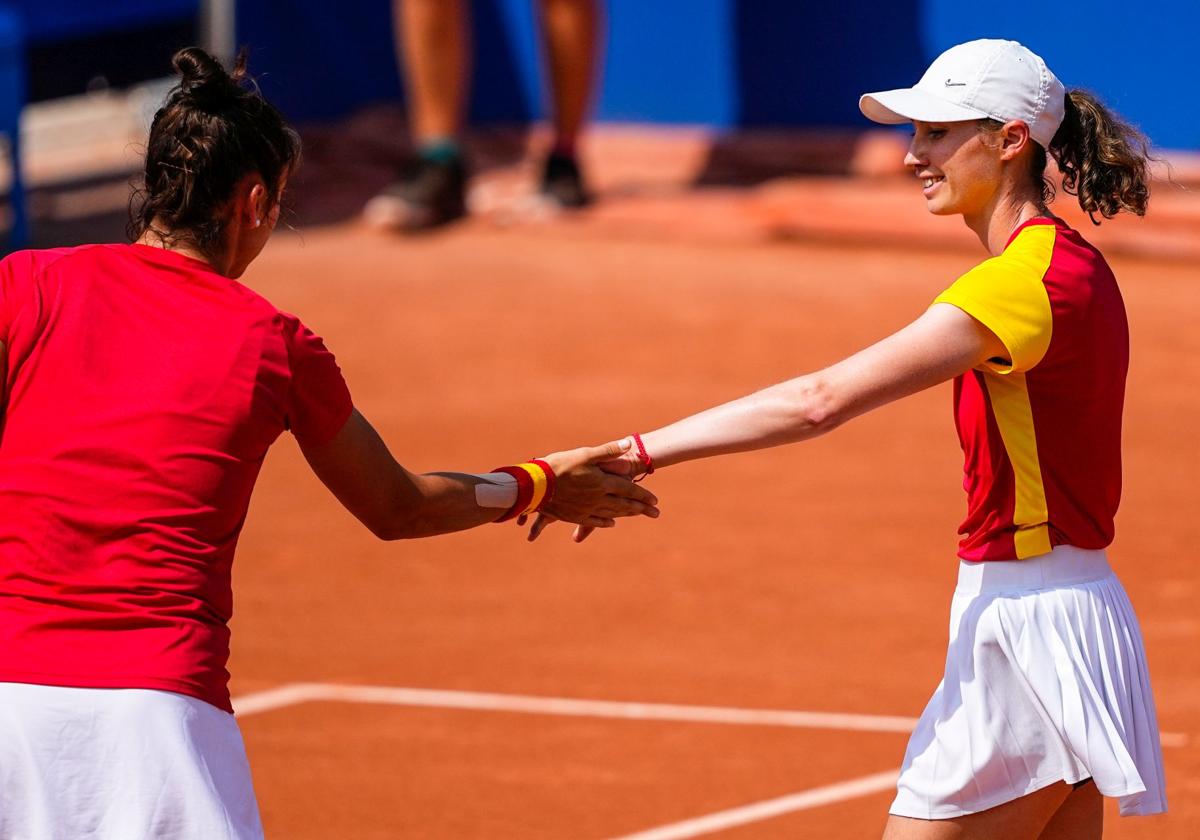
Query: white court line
[
  {"x": 293, "y": 693},
  {"x": 769, "y": 808},
  {"x": 1173, "y": 739},
  {"x": 273, "y": 698}
]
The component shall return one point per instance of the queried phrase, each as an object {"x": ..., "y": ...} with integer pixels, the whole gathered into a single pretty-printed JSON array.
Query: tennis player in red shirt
[
  {"x": 142, "y": 388},
  {"x": 1045, "y": 706}
]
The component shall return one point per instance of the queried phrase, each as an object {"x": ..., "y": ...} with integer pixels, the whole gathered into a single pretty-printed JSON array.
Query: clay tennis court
[{"x": 813, "y": 579}]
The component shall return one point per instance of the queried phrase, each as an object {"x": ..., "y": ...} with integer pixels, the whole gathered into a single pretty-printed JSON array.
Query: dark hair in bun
[
  {"x": 213, "y": 129},
  {"x": 203, "y": 81}
]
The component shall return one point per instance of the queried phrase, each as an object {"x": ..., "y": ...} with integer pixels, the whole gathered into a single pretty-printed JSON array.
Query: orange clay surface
[{"x": 816, "y": 577}]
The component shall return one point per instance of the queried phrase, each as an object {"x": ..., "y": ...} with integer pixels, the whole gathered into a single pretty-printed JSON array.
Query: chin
[{"x": 938, "y": 208}]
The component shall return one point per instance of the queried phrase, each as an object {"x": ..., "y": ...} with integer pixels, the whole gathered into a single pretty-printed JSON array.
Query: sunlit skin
[
  {"x": 981, "y": 174},
  {"x": 250, "y": 217}
]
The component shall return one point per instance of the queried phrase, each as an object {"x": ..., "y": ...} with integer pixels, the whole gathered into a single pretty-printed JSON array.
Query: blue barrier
[
  {"x": 735, "y": 63},
  {"x": 12, "y": 99},
  {"x": 58, "y": 20}
]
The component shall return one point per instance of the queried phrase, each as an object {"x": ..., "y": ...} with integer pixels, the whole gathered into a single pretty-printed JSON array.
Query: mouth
[{"x": 930, "y": 184}]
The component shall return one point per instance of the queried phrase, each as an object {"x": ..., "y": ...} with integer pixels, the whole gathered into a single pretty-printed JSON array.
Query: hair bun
[{"x": 203, "y": 80}]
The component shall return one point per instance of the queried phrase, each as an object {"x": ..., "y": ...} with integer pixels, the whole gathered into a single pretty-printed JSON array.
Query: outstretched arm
[
  {"x": 941, "y": 344},
  {"x": 396, "y": 504},
  {"x": 944, "y": 342}
]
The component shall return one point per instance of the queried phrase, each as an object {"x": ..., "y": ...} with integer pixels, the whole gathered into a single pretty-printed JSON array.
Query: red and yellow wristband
[{"x": 536, "y": 484}]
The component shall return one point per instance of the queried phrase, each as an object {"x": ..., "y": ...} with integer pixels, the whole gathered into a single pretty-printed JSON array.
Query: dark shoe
[
  {"x": 562, "y": 182},
  {"x": 429, "y": 194}
]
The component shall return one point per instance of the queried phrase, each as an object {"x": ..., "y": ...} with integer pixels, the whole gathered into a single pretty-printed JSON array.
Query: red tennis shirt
[
  {"x": 144, "y": 390},
  {"x": 1041, "y": 429}
]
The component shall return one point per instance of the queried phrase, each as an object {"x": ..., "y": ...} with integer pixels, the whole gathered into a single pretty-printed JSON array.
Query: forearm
[
  {"x": 395, "y": 503},
  {"x": 444, "y": 502},
  {"x": 943, "y": 343},
  {"x": 791, "y": 411}
]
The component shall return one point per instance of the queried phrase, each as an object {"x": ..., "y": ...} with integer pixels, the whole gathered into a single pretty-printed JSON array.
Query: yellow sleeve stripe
[{"x": 1008, "y": 296}]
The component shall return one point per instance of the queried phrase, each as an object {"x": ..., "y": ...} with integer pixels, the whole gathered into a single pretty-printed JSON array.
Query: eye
[{"x": 937, "y": 132}]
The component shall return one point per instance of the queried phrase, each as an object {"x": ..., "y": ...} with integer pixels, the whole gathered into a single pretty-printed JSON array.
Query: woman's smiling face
[{"x": 959, "y": 170}]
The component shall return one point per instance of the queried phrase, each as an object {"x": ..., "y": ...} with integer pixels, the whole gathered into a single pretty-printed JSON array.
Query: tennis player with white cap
[{"x": 1045, "y": 706}]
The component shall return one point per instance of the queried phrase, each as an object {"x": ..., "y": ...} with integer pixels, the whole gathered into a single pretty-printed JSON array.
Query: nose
[{"x": 915, "y": 156}]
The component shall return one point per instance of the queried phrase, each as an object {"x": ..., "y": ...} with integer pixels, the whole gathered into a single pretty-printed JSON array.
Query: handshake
[{"x": 594, "y": 487}]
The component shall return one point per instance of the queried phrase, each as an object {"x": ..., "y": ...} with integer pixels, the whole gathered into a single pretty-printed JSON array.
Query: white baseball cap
[{"x": 986, "y": 78}]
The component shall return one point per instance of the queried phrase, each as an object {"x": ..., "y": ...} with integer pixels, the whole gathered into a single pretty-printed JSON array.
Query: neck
[
  {"x": 994, "y": 225},
  {"x": 155, "y": 237}
]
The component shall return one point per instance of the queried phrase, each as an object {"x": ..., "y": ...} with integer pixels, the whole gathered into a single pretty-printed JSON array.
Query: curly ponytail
[
  {"x": 1104, "y": 161},
  {"x": 213, "y": 129}
]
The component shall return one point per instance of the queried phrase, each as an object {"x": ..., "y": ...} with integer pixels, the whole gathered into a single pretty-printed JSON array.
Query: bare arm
[
  {"x": 396, "y": 504},
  {"x": 938, "y": 346},
  {"x": 941, "y": 344}
]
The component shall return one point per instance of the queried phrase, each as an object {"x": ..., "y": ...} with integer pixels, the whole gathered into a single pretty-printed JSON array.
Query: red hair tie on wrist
[{"x": 643, "y": 456}]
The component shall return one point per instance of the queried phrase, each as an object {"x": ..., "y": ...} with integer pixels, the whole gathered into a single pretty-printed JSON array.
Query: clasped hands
[{"x": 594, "y": 489}]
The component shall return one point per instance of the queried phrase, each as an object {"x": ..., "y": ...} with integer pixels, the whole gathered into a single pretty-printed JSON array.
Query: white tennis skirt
[
  {"x": 1045, "y": 681},
  {"x": 118, "y": 764}
]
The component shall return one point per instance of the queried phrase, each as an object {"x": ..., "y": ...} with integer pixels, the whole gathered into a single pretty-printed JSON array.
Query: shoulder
[
  {"x": 31, "y": 263},
  {"x": 1008, "y": 294},
  {"x": 1026, "y": 259},
  {"x": 26, "y": 275},
  {"x": 302, "y": 343}
]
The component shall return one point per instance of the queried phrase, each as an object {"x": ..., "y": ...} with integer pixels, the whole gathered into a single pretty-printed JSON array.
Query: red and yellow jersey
[{"x": 1041, "y": 429}]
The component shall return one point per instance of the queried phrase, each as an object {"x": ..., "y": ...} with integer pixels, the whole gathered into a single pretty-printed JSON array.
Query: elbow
[
  {"x": 387, "y": 534},
  {"x": 399, "y": 526},
  {"x": 387, "y": 531},
  {"x": 819, "y": 410}
]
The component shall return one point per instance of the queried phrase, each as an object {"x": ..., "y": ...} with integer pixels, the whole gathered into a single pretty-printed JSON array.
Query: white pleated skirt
[
  {"x": 1045, "y": 681},
  {"x": 119, "y": 764}
]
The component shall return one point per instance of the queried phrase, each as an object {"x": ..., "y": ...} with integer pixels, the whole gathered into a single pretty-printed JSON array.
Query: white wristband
[{"x": 496, "y": 490}]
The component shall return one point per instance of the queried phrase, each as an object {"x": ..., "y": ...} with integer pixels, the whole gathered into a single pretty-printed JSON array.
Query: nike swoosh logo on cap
[{"x": 955, "y": 84}]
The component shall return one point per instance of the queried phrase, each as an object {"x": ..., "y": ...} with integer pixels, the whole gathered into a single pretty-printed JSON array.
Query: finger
[
  {"x": 522, "y": 519},
  {"x": 615, "y": 507},
  {"x": 608, "y": 451},
  {"x": 617, "y": 486},
  {"x": 538, "y": 526},
  {"x": 628, "y": 507},
  {"x": 582, "y": 532},
  {"x": 599, "y": 522},
  {"x": 617, "y": 467}
]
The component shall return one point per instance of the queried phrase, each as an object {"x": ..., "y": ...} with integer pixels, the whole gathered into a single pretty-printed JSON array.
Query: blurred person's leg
[
  {"x": 570, "y": 29},
  {"x": 435, "y": 63},
  {"x": 432, "y": 41}
]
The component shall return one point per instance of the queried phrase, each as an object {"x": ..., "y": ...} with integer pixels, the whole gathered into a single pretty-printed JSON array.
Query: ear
[
  {"x": 251, "y": 201},
  {"x": 1014, "y": 139},
  {"x": 259, "y": 203}
]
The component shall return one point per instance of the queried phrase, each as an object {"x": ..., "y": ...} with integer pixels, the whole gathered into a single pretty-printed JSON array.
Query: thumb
[{"x": 609, "y": 450}]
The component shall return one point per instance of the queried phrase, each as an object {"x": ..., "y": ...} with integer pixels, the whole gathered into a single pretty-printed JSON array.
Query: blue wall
[
  {"x": 1140, "y": 58},
  {"x": 732, "y": 63},
  {"x": 50, "y": 20}
]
